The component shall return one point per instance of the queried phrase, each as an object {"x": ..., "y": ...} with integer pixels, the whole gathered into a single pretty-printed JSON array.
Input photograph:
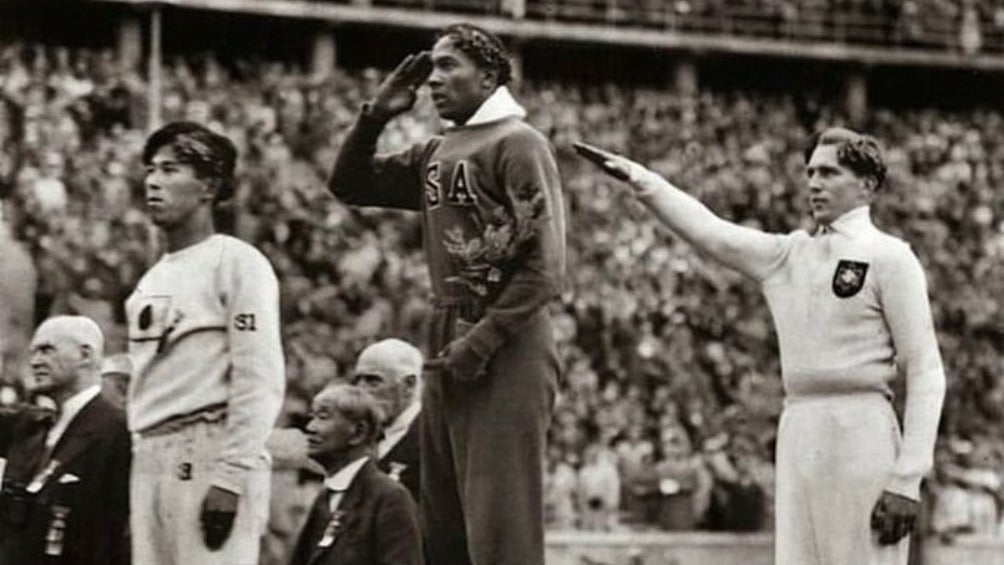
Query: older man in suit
[
  {"x": 391, "y": 369},
  {"x": 65, "y": 496},
  {"x": 362, "y": 516}
]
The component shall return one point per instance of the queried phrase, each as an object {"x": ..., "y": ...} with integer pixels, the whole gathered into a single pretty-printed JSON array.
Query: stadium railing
[
  {"x": 487, "y": 7},
  {"x": 791, "y": 21}
]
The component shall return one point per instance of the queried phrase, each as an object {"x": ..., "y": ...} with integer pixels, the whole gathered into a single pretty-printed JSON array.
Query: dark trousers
[{"x": 483, "y": 449}]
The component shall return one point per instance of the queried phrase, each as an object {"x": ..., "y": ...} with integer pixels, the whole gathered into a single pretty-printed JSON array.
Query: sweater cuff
[
  {"x": 368, "y": 119},
  {"x": 485, "y": 338},
  {"x": 908, "y": 486},
  {"x": 230, "y": 478}
]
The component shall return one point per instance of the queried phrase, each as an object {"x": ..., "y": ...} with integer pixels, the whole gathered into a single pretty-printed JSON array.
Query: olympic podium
[
  {"x": 658, "y": 548},
  {"x": 705, "y": 548}
]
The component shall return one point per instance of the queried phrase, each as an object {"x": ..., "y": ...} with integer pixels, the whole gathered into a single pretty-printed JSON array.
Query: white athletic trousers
[
  {"x": 171, "y": 474},
  {"x": 834, "y": 456}
]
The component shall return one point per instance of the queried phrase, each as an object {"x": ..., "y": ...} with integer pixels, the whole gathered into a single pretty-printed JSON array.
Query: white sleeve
[
  {"x": 908, "y": 315},
  {"x": 257, "y": 373},
  {"x": 754, "y": 253}
]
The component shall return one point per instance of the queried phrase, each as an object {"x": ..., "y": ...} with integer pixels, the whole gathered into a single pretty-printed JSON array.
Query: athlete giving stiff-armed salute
[
  {"x": 209, "y": 378},
  {"x": 489, "y": 194},
  {"x": 850, "y": 306}
]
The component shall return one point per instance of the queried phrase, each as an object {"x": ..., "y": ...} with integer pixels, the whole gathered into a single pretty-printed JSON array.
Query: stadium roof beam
[{"x": 529, "y": 29}]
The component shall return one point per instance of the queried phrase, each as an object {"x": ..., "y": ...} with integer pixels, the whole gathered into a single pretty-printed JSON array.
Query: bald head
[
  {"x": 66, "y": 355},
  {"x": 391, "y": 370},
  {"x": 80, "y": 329},
  {"x": 391, "y": 356}
]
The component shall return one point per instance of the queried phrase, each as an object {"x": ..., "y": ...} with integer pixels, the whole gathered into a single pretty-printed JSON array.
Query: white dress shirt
[
  {"x": 71, "y": 407},
  {"x": 341, "y": 480},
  {"x": 397, "y": 429}
]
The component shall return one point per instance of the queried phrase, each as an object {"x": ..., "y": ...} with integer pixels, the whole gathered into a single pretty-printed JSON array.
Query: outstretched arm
[{"x": 749, "y": 251}]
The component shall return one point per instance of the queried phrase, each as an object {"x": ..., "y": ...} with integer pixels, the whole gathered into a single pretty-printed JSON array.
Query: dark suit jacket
[
  {"x": 89, "y": 485},
  {"x": 379, "y": 525},
  {"x": 401, "y": 462}
]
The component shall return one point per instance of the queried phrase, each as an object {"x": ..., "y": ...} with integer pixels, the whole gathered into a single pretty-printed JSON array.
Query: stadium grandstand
[{"x": 662, "y": 443}]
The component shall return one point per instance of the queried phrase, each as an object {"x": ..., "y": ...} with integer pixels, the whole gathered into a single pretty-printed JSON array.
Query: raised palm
[{"x": 397, "y": 93}]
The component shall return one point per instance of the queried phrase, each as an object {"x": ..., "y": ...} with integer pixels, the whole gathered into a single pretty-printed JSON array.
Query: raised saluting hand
[{"x": 398, "y": 92}]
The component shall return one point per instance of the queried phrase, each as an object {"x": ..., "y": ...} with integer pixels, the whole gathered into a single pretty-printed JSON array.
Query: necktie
[
  {"x": 334, "y": 497},
  {"x": 38, "y": 453},
  {"x": 332, "y": 520}
]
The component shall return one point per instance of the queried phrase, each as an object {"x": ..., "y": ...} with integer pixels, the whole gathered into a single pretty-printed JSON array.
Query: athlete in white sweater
[
  {"x": 208, "y": 382},
  {"x": 850, "y": 306}
]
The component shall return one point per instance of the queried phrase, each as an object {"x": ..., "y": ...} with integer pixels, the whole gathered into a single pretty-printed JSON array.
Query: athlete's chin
[
  {"x": 159, "y": 219},
  {"x": 43, "y": 386},
  {"x": 822, "y": 216},
  {"x": 446, "y": 114},
  {"x": 448, "y": 111}
]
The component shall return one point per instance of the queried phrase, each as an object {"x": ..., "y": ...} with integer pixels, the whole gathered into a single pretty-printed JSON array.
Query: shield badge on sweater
[{"x": 849, "y": 278}]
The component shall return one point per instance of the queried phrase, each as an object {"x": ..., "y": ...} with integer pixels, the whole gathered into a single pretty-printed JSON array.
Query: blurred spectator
[
  {"x": 560, "y": 490},
  {"x": 683, "y": 482},
  {"x": 599, "y": 490},
  {"x": 970, "y": 36},
  {"x": 17, "y": 301},
  {"x": 633, "y": 451},
  {"x": 116, "y": 370},
  {"x": 925, "y": 24},
  {"x": 968, "y": 490},
  {"x": 740, "y": 499},
  {"x": 46, "y": 195}
]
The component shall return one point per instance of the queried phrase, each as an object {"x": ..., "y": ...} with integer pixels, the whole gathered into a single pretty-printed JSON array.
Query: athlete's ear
[
  {"x": 210, "y": 187},
  {"x": 489, "y": 79},
  {"x": 360, "y": 433},
  {"x": 869, "y": 184}
]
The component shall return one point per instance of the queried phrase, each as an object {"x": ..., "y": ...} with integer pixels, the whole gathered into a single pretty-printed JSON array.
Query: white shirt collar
[
  {"x": 498, "y": 106},
  {"x": 851, "y": 221},
  {"x": 69, "y": 410},
  {"x": 398, "y": 428},
  {"x": 340, "y": 481},
  {"x": 848, "y": 223}
]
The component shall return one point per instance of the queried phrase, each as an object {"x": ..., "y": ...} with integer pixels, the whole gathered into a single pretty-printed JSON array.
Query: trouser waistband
[
  {"x": 792, "y": 399},
  {"x": 214, "y": 413}
]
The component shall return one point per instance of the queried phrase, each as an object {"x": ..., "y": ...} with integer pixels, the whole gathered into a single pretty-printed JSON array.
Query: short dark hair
[
  {"x": 213, "y": 156},
  {"x": 860, "y": 153},
  {"x": 483, "y": 47}
]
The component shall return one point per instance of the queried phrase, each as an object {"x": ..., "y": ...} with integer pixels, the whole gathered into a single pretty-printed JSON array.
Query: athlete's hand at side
[
  {"x": 397, "y": 93},
  {"x": 460, "y": 360},
  {"x": 219, "y": 509},
  {"x": 894, "y": 517}
]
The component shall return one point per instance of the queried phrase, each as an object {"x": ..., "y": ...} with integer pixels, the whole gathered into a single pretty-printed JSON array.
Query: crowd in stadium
[
  {"x": 957, "y": 25},
  {"x": 667, "y": 413}
]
